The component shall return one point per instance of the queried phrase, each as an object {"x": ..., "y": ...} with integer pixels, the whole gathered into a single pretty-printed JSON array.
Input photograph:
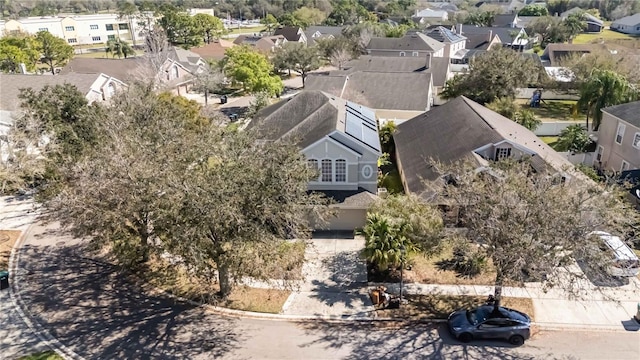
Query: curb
[{"x": 40, "y": 332}]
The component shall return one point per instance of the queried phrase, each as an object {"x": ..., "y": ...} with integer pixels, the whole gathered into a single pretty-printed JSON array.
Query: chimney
[
  {"x": 459, "y": 29},
  {"x": 490, "y": 35},
  {"x": 428, "y": 61}
]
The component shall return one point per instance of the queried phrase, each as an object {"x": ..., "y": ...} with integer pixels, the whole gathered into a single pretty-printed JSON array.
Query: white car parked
[{"x": 625, "y": 262}]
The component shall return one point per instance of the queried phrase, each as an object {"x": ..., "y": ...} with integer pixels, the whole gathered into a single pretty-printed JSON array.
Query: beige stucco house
[{"x": 619, "y": 138}]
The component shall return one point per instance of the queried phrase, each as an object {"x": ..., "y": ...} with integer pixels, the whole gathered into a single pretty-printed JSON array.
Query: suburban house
[
  {"x": 506, "y": 20},
  {"x": 412, "y": 44},
  {"x": 81, "y": 29},
  {"x": 313, "y": 33},
  {"x": 554, "y": 54},
  {"x": 627, "y": 25},
  {"x": 462, "y": 129},
  {"x": 449, "y": 7},
  {"x": 292, "y": 34},
  {"x": 592, "y": 23},
  {"x": 619, "y": 138},
  {"x": 263, "y": 44},
  {"x": 515, "y": 38},
  {"x": 95, "y": 87},
  {"x": 454, "y": 44},
  {"x": 430, "y": 16},
  {"x": 392, "y": 96},
  {"x": 176, "y": 72},
  {"x": 214, "y": 50},
  {"x": 337, "y": 137}
]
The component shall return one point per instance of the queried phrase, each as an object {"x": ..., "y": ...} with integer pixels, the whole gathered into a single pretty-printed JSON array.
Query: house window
[
  {"x": 620, "y": 133},
  {"x": 341, "y": 170},
  {"x": 173, "y": 73},
  {"x": 109, "y": 27},
  {"x": 95, "y": 38},
  {"x": 415, "y": 53},
  {"x": 93, "y": 27},
  {"x": 313, "y": 164},
  {"x": 43, "y": 29},
  {"x": 636, "y": 140},
  {"x": 327, "y": 174},
  {"x": 402, "y": 53},
  {"x": 624, "y": 166},
  {"x": 111, "y": 89},
  {"x": 503, "y": 153},
  {"x": 599, "y": 153},
  {"x": 123, "y": 26},
  {"x": 111, "y": 37},
  {"x": 72, "y": 40},
  {"x": 69, "y": 28}
]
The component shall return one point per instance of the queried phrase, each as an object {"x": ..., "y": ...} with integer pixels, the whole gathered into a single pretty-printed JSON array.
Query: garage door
[{"x": 348, "y": 219}]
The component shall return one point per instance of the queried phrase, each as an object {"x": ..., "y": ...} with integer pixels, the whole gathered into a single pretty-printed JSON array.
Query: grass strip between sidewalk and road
[
  {"x": 46, "y": 355},
  {"x": 438, "y": 306}
]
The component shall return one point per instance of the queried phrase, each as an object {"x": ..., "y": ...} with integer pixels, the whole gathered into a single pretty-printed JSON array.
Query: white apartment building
[{"x": 80, "y": 29}]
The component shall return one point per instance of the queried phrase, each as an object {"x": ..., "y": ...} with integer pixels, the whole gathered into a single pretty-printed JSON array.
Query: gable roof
[
  {"x": 505, "y": 20},
  {"x": 118, "y": 68},
  {"x": 12, "y": 83},
  {"x": 309, "y": 116},
  {"x": 446, "y": 6},
  {"x": 377, "y": 90},
  {"x": 215, "y": 50},
  {"x": 453, "y": 131},
  {"x": 188, "y": 59},
  {"x": 627, "y": 112},
  {"x": 388, "y": 63},
  {"x": 503, "y": 33},
  {"x": 431, "y": 13},
  {"x": 326, "y": 30},
  {"x": 444, "y": 35},
  {"x": 587, "y": 17},
  {"x": 262, "y": 43},
  {"x": 291, "y": 33},
  {"x": 411, "y": 42},
  {"x": 629, "y": 20}
]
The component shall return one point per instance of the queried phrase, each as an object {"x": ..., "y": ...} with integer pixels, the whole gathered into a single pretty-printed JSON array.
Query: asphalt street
[{"x": 86, "y": 304}]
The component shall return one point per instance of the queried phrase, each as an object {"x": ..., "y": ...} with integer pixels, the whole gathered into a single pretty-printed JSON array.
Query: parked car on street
[
  {"x": 624, "y": 262},
  {"x": 484, "y": 322}
]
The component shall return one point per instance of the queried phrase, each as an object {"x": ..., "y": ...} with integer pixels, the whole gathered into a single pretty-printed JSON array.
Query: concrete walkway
[
  {"x": 335, "y": 281},
  {"x": 16, "y": 338}
]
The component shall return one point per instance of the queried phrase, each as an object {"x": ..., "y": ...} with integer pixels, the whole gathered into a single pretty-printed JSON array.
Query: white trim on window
[
  {"x": 402, "y": 54},
  {"x": 620, "y": 133},
  {"x": 599, "y": 154},
  {"x": 636, "y": 140},
  {"x": 624, "y": 166},
  {"x": 415, "y": 53}
]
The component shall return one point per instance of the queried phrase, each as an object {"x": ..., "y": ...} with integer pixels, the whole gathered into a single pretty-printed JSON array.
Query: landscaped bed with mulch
[
  {"x": 46, "y": 355},
  {"x": 8, "y": 239},
  {"x": 438, "y": 306}
]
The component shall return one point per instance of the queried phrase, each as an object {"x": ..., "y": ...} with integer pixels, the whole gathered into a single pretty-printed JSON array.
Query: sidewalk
[{"x": 16, "y": 338}]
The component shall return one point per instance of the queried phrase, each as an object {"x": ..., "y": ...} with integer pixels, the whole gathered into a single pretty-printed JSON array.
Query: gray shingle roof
[
  {"x": 628, "y": 20},
  {"x": 311, "y": 115},
  {"x": 289, "y": 32},
  {"x": 387, "y": 64},
  {"x": 629, "y": 112},
  {"x": 351, "y": 198},
  {"x": 453, "y": 131},
  {"x": 503, "y": 33},
  {"x": 120, "y": 69},
  {"x": 444, "y": 35},
  {"x": 10, "y": 85},
  {"x": 504, "y": 20},
  {"x": 328, "y": 30},
  {"x": 377, "y": 90},
  {"x": 412, "y": 41}
]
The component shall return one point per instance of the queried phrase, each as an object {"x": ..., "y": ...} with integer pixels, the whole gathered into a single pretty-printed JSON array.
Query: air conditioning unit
[{"x": 382, "y": 192}]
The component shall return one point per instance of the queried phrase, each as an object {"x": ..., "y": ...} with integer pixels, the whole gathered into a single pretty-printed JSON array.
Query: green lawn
[
  {"x": 551, "y": 110},
  {"x": 549, "y": 140},
  {"x": 247, "y": 30},
  {"x": 47, "y": 355},
  {"x": 102, "y": 55},
  {"x": 604, "y": 35}
]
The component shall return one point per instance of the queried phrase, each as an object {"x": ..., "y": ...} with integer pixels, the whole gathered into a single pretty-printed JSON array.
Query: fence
[
  {"x": 579, "y": 158},
  {"x": 553, "y": 128},
  {"x": 527, "y": 93}
]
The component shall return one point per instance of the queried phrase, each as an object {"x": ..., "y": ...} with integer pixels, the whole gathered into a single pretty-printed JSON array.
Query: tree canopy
[
  {"x": 251, "y": 69},
  {"x": 297, "y": 57},
  {"x": 16, "y": 50},
  {"x": 604, "y": 88},
  {"x": 493, "y": 75}
]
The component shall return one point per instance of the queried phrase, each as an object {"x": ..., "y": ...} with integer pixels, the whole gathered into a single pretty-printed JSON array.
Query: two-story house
[
  {"x": 292, "y": 34},
  {"x": 413, "y": 44},
  {"x": 339, "y": 138},
  {"x": 619, "y": 138}
]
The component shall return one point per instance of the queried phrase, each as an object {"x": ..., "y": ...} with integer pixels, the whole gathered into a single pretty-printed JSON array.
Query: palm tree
[
  {"x": 527, "y": 118},
  {"x": 119, "y": 48},
  {"x": 384, "y": 241},
  {"x": 574, "y": 138},
  {"x": 604, "y": 88}
]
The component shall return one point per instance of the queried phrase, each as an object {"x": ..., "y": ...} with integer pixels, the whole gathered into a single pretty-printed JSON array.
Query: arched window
[
  {"x": 341, "y": 170},
  {"x": 313, "y": 164},
  {"x": 174, "y": 73},
  {"x": 327, "y": 171}
]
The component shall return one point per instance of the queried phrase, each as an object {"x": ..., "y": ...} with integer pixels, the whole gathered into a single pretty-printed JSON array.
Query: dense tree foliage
[
  {"x": 16, "y": 50},
  {"x": 605, "y": 88},
  {"x": 54, "y": 51},
  {"x": 534, "y": 10},
  {"x": 252, "y": 70},
  {"x": 574, "y": 138},
  {"x": 493, "y": 75},
  {"x": 119, "y": 48},
  {"x": 297, "y": 57},
  {"x": 532, "y": 225}
]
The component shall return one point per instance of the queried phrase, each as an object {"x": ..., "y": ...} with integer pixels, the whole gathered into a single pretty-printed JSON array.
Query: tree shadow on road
[
  {"x": 391, "y": 340},
  {"x": 91, "y": 307}
]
